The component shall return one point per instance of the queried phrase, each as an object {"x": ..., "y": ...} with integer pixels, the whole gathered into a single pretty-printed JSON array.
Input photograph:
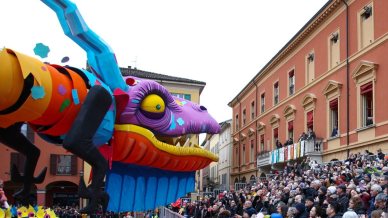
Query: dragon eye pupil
[{"x": 158, "y": 106}]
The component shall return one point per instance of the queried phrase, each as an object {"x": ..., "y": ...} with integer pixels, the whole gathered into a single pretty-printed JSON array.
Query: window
[
  {"x": 223, "y": 180},
  {"x": 181, "y": 95},
  {"x": 252, "y": 110},
  {"x": 334, "y": 50},
  {"x": 236, "y": 159},
  {"x": 333, "y": 117},
  {"x": 63, "y": 164},
  {"x": 275, "y": 137},
  {"x": 262, "y": 143},
  {"x": 366, "y": 92},
  {"x": 310, "y": 74},
  {"x": 276, "y": 93},
  {"x": 365, "y": 21},
  {"x": 290, "y": 130},
  {"x": 252, "y": 156},
  {"x": 237, "y": 121},
  {"x": 243, "y": 155},
  {"x": 262, "y": 100},
  {"x": 244, "y": 117},
  {"x": 291, "y": 82},
  {"x": 18, "y": 160},
  {"x": 310, "y": 120}
]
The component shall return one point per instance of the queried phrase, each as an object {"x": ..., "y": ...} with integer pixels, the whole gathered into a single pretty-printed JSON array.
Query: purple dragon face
[{"x": 151, "y": 106}]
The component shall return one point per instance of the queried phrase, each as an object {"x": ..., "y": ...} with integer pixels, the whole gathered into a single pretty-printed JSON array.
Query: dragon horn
[{"x": 100, "y": 56}]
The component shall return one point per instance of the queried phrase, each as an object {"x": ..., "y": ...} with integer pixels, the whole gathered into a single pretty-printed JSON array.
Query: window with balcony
[
  {"x": 276, "y": 93},
  {"x": 290, "y": 130},
  {"x": 310, "y": 120},
  {"x": 291, "y": 82},
  {"x": 262, "y": 101},
  {"x": 262, "y": 145},
  {"x": 275, "y": 138},
  {"x": 252, "y": 156},
  {"x": 334, "y": 50},
  {"x": 310, "y": 67},
  {"x": 244, "y": 117},
  {"x": 333, "y": 117},
  {"x": 236, "y": 122},
  {"x": 366, "y": 92},
  {"x": 243, "y": 161},
  {"x": 63, "y": 164},
  {"x": 252, "y": 110},
  {"x": 366, "y": 26}
]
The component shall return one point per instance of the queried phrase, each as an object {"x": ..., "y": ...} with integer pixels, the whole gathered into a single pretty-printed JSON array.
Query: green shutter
[{"x": 188, "y": 97}]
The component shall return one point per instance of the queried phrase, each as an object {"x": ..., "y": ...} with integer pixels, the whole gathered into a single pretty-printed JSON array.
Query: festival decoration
[{"x": 82, "y": 110}]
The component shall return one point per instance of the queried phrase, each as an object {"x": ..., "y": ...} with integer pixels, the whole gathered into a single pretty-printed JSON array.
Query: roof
[
  {"x": 156, "y": 76},
  {"x": 284, "y": 48}
]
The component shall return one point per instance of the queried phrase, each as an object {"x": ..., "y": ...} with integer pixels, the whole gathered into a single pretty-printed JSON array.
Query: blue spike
[
  {"x": 152, "y": 188},
  {"x": 182, "y": 186},
  {"x": 172, "y": 189},
  {"x": 139, "y": 195}
]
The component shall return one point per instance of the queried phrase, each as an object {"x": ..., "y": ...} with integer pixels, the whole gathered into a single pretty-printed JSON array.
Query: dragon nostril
[
  {"x": 130, "y": 81},
  {"x": 203, "y": 108}
]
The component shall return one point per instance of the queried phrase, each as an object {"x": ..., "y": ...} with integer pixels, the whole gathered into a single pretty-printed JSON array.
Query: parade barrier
[{"x": 167, "y": 213}]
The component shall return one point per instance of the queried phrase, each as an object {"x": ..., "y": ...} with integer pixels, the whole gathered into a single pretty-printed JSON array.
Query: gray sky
[{"x": 224, "y": 43}]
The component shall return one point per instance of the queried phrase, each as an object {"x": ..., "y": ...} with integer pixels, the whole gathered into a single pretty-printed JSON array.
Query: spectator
[
  {"x": 291, "y": 212},
  {"x": 350, "y": 214},
  {"x": 309, "y": 203},
  {"x": 377, "y": 213},
  {"x": 249, "y": 209},
  {"x": 301, "y": 211},
  {"x": 356, "y": 205},
  {"x": 333, "y": 209},
  {"x": 374, "y": 191},
  {"x": 317, "y": 212},
  {"x": 381, "y": 201}
]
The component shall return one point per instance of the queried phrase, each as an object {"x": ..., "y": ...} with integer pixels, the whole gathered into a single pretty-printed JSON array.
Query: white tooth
[
  {"x": 187, "y": 143},
  {"x": 178, "y": 144}
]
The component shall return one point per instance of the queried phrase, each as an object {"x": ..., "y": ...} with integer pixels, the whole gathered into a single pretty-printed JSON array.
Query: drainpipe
[
  {"x": 239, "y": 140},
  {"x": 347, "y": 78},
  {"x": 256, "y": 135}
]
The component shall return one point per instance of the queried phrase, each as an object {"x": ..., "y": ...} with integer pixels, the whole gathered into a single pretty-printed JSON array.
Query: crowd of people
[{"x": 353, "y": 188}]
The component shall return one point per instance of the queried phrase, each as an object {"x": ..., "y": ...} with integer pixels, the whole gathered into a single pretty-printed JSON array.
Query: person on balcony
[
  {"x": 311, "y": 134},
  {"x": 334, "y": 133},
  {"x": 302, "y": 137},
  {"x": 289, "y": 142},
  {"x": 278, "y": 144}
]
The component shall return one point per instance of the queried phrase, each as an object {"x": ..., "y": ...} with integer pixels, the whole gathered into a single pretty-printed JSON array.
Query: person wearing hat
[
  {"x": 343, "y": 200},
  {"x": 301, "y": 211}
]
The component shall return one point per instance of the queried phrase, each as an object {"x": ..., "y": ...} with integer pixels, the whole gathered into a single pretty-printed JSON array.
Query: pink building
[{"x": 329, "y": 77}]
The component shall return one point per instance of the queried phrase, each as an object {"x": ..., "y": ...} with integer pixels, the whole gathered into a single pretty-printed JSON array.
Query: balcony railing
[
  {"x": 312, "y": 147},
  {"x": 263, "y": 159}
]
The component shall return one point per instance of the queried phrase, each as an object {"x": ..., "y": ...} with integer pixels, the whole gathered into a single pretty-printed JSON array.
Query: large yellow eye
[{"x": 153, "y": 104}]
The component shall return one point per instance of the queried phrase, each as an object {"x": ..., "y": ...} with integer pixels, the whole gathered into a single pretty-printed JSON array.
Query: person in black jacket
[
  {"x": 333, "y": 210},
  {"x": 301, "y": 211},
  {"x": 343, "y": 200}
]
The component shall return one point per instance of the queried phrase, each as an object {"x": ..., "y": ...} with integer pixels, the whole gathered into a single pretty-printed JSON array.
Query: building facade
[
  {"x": 328, "y": 78},
  {"x": 225, "y": 155}
]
